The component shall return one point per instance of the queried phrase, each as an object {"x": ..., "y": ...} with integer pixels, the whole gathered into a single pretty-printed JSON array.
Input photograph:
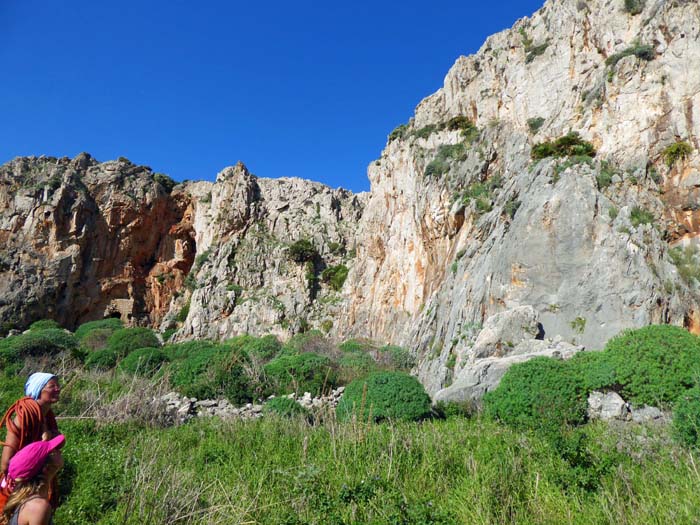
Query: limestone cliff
[{"x": 474, "y": 244}]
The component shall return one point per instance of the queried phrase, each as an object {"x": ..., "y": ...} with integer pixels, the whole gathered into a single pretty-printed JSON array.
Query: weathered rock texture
[
  {"x": 82, "y": 240},
  {"x": 460, "y": 225}
]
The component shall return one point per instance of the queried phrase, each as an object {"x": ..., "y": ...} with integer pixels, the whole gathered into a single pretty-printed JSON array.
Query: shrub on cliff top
[
  {"x": 302, "y": 251},
  {"x": 385, "y": 395},
  {"x": 676, "y": 152},
  {"x": 127, "y": 340},
  {"x": 541, "y": 393},
  {"x": 335, "y": 276}
]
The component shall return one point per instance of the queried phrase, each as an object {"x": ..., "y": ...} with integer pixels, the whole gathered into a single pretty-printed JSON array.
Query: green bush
[
  {"x": 570, "y": 144},
  {"x": 687, "y": 261},
  {"x": 111, "y": 323},
  {"x": 264, "y": 348},
  {"x": 335, "y": 276},
  {"x": 285, "y": 407},
  {"x": 397, "y": 357},
  {"x": 165, "y": 181},
  {"x": 37, "y": 326},
  {"x": 178, "y": 351},
  {"x": 398, "y": 133},
  {"x": 595, "y": 370},
  {"x": 126, "y": 340},
  {"x": 96, "y": 339},
  {"x": 310, "y": 341},
  {"x": 385, "y": 395},
  {"x": 540, "y": 393},
  {"x": 686, "y": 418},
  {"x": 212, "y": 372},
  {"x": 642, "y": 51},
  {"x": 676, "y": 152},
  {"x": 534, "y": 124},
  {"x": 143, "y": 362},
  {"x": 302, "y": 251},
  {"x": 353, "y": 365},
  {"x": 639, "y": 215},
  {"x": 634, "y": 7},
  {"x": 307, "y": 372},
  {"x": 104, "y": 359},
  {"x": 655, "y": 364},
  {"x": 47, "y": 342}
]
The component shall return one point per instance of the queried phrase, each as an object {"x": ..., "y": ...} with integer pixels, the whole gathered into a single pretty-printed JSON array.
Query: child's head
[{"x": 41, "y": 458}]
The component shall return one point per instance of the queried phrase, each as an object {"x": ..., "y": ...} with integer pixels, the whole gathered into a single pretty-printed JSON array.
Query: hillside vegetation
[{"x": 530, "y": 456}]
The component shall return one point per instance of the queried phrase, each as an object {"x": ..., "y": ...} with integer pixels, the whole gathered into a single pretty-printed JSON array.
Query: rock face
[
  {"x": 83, "y": 240},
  {"x": 466, "y": 250}
]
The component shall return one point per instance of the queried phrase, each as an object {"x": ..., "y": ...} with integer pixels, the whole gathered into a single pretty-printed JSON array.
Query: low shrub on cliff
[
  {"x": 335, "y": 276},
  {"x": 641, "y": 51},
  {"x": 126, "y": 340},
  {"x": 541, "y": 393},
  {"x": 569, "y": 145},
  {"x": 307, "y": 372},
  {"x": 302, "y": 251},
  {"x": 385, "y": 395},
  {"x": 654, "y": 365},
  {"x": 676, "y": 152},
  {"x": 84, "y": 329}
]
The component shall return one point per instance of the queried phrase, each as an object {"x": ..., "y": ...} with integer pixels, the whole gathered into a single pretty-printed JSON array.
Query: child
[{"x": 29, "y": 476}]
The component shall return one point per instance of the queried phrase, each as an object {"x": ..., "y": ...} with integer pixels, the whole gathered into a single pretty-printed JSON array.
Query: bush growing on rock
[
  {"x": 385, "y": 395},
  {"x": 570, "y": 144},
  {"x": 111, "y": 324},
  {"x": 306, "y": 372},
  {"x": 654, "y": 365},
  {"x": 540, "y": 393},
  {"x": 144, "y": 361},
  {"x": 302, "y": 251},
  {"x": 335, "y": 276},
  {"x": 126, "y": 340},
  {"x": 686, "y": 418},
  {"x": 264, "y": 348}
]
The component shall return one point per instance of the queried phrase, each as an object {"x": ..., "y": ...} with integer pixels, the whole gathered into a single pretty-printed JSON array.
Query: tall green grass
[{"x": 281, "y": 471}]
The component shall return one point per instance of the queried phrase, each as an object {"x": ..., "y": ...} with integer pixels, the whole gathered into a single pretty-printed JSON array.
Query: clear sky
[{"x": 298, "y": 88}]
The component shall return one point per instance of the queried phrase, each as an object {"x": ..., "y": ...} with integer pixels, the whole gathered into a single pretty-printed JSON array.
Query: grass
[{"x": 276, "y": 471}]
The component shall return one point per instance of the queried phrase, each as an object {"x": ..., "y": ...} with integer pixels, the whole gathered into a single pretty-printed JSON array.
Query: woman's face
[{"x": 51, "y": 392}]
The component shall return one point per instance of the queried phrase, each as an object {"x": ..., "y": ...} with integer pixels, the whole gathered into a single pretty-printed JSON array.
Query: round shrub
[
  {"x": 396, "y": 357},
  {"x": 307, "y": 372},
  {"x": 595, "y": 370},
  {"x": 126, "y": 340},
  {"x": 264, "y": 348},
  {"x": 285, "y": 407},
  {"x": 686, "y": 418},
  {"x": 214, "y": 371},
  {"x": 144, "y": 361},
  {"x": 43, "y": 325},
  {"x": 353, "y": 365},
  {"x": 539, "y": 393},
  {"x": 102, "y": 359},
  {"x": 302, "y": 251},
  {"x": 178, "y": 351},
  {"x": 654, "y": 365},
  {"x": 49, "y": 341},
  {"x": 112, "y": 324},
  {"x": 96, "y": 339},
  {"x": 385, "y": 395}
]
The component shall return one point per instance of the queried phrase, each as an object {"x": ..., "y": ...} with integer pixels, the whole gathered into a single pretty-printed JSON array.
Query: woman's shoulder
[{"x": 36, "y": 511}]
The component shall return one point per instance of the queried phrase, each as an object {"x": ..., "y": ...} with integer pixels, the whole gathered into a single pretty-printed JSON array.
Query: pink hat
[{"x": 29, "y": 461}]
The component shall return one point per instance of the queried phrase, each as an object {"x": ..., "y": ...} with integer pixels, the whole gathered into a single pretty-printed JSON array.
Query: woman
[
  {"x": 28, "y": 420},
  {"x": 29, "y": 476}
]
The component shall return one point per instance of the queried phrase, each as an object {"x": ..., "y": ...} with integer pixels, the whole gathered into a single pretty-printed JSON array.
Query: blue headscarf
[{"x": 36, "y": 383}]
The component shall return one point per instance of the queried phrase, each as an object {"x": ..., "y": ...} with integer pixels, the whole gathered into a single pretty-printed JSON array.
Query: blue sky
[{"x": 305, "y": 89}]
